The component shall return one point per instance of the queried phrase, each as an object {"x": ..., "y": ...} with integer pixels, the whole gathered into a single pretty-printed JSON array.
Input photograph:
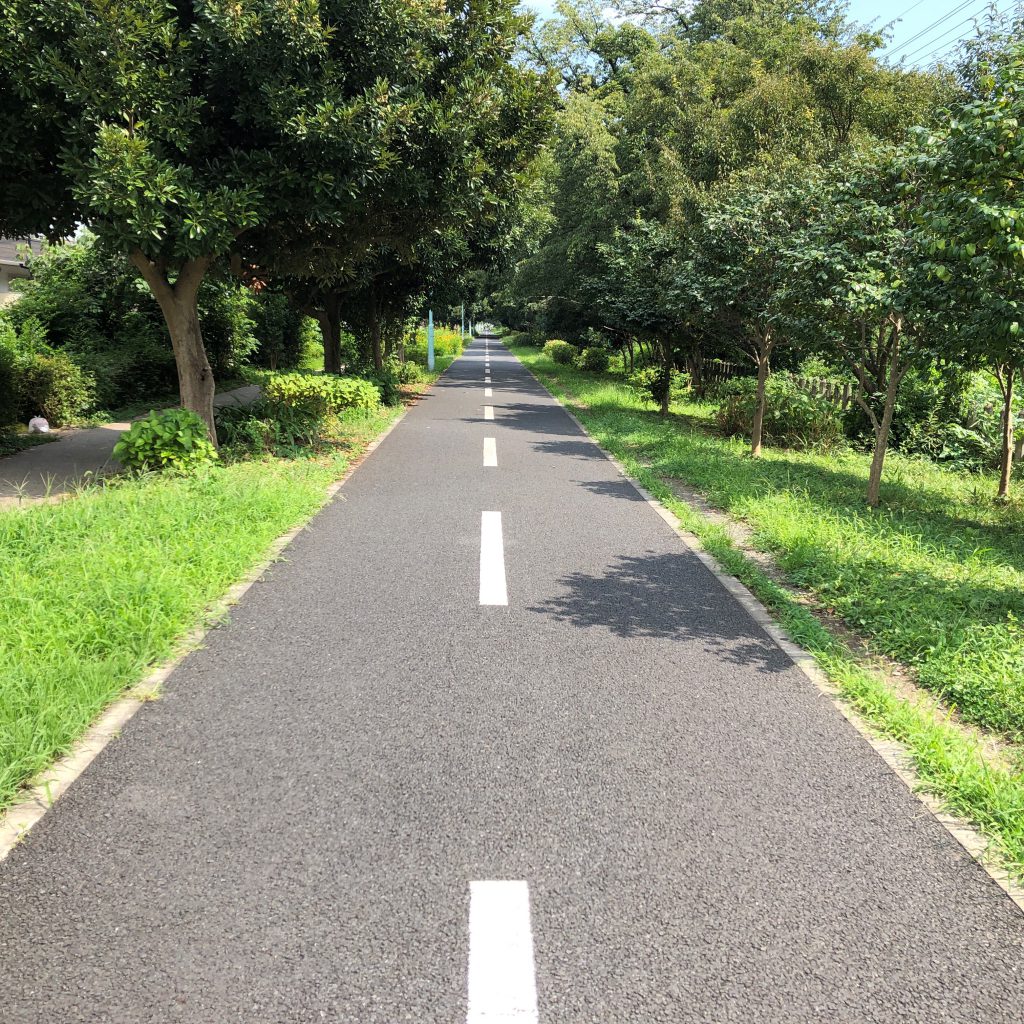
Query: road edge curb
[
  {"x": 52, "y": 783},
  {"x": 894, "y": 754}
]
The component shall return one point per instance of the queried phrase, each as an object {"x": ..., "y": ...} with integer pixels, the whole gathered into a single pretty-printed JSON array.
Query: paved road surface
[
  {"x": 312, "y": 825},
  {"x": 53, "y": 469}
]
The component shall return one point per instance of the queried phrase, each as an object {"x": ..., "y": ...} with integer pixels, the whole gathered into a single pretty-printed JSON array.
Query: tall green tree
[{"x": 972, "y": 212}]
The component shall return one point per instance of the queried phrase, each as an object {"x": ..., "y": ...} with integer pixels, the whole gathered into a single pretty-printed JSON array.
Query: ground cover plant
[
  {"x": 96, "y": 589},
  {"x": 934, "y": 579}
]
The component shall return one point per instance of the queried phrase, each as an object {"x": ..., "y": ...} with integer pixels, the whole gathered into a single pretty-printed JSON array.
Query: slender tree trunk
[
  {"x": 762, "y": 358},
  {"x": 881, "y": 445},
  {"x": 378, "y": 356},
  {"x": 695, "y": 364},
  {"x": 666, "y": 363},
  {"x": 179, "y": 305},
  {"x": 1006, "y": 376},
  {"x": 895, "y": 374},
  {"x": 629, "y": 348}
]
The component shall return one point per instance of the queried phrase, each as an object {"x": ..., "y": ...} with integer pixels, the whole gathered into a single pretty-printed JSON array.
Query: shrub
[
  {"x": 793, "y": 418},
  {"x": 411, "y": 373},
  {"x": 264, "y": 427},
  {"x": 174, "y": 440},
  {"x": 447, "y": 343},
  {"x": 648, "y": 383},
  {"x": 52, "y": 385},
  {"x": 595, "y": 359},
  {"x": 560, "y": 352},
  {"x": 387, "y": 382},
  {"x": 9, "y": 407},
  {"x": 320, "y": 395}
]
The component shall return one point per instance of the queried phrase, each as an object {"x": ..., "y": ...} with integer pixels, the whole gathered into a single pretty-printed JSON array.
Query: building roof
[{"x": 12, "y": 249}]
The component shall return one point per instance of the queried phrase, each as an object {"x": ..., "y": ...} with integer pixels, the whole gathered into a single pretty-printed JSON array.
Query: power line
[
  {"x": 931, "y": 42},
  {"x": 928, "y": 29},
  {"x": 946, "y": 47}
]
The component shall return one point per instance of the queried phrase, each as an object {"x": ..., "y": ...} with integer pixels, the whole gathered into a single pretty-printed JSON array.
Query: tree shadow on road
[{"x": 665, "y": 597}]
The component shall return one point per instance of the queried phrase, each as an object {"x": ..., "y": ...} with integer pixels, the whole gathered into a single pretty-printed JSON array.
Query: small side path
[{"x": 51, "y": 470}]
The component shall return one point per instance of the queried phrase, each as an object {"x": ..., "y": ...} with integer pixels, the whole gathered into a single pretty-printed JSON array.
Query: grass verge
[
  {"x": 807, "y": 510},
  {"x": 96, "y": 590}
]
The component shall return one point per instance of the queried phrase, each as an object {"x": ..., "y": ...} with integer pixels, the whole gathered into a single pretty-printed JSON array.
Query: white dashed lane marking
[{"x": 502, "y": 978}]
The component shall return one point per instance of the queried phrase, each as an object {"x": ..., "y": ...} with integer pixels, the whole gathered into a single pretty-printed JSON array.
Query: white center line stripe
[
  {"x": 492, "y": 560},
  {"x": 488, "y": 412},
  {"x": 488, "y": 392},
  {"x": 502, "y": 978},
  {"x": 490, "y": 452}
]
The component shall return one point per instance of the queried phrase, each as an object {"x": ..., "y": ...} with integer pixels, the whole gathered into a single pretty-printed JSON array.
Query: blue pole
[
  {"x": 463, "y": 334},
  {"x": 430, "y": 339}
]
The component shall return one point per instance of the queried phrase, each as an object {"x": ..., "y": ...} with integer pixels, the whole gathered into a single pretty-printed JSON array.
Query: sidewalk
[{"x": 51, "y": 470}]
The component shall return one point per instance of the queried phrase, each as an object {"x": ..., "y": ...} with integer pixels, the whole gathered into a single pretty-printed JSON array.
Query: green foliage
[
  {"x": 792, "y": 419},
  {"x": 173, "y": 440},
  {"x": 648, "y": 383},
  {"x": 97, "y": 590},
  {"x": 51, "y": 385},
  {"x": 387, "y": 381},
  {"x": 560, "y": 351},
  {"x": 320, "y": 395},
  {"x": 268, "y": 428},
  {"x": 594, "y": 359},
  {"x": 411, "y": 373},
  {"x": 227, "y": 313},
  {"x": 447, "y": 343},
  {"x": 280, "y": 331}
]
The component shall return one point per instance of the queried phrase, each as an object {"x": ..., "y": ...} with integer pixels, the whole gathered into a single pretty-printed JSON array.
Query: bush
[
  {"x": 320, "y": 395},
  {"x": 51, "y": 385},
  {"x": 595, "y": 359},
  {"x": 648, "y": 383},
  {"x": 560, "y": 352},
  {"x": 447, "y": 343},
  {"x": 792, "y": 419},
  {"x": 411, "y": 373},
  {"x": 174, "y": 440},
  {"x": 263, "y": 428},
  {"x": 387, "y": 381}
]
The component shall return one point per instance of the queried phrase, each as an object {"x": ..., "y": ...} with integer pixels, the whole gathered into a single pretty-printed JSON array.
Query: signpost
[{"x": 430, "y": 339}]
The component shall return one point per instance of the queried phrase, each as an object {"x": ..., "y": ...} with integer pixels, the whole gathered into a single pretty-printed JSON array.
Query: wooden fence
[{"x": 715, "y": 371}]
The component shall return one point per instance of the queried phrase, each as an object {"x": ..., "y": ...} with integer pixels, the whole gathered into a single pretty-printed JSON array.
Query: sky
[{"x": 925, "y": 30}]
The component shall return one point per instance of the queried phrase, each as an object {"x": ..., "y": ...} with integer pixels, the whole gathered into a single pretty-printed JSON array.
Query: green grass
[
  {"x": 934, "y": 579},
  {"x": 95, "y": 590}
]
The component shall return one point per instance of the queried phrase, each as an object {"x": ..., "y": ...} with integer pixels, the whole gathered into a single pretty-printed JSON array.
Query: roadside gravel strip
[{"x": 494, "y": 745}]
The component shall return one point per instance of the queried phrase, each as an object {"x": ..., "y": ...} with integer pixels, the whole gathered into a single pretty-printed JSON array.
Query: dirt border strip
[
  {"x": 893, "y": 753},
  {"x": 53, "y": 782}
]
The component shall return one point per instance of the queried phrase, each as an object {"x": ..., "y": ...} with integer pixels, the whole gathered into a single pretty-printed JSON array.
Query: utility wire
[
  {"x": 938, "y": 39},
  {"x": 946, "y": 47},
  {"x": 928, "y": 29}
]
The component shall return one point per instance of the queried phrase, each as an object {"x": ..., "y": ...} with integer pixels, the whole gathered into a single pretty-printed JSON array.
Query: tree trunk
[
  {"x": 695, "y": 364},
  {"x": 666, "y": 363},
  {"x": 757, "y": 426},
  {"x": 881, "y": 446},
  {"x": 378, "y": 356},
  {"x": 179, "y": 305},
  {"x": 629, "y": 348},
  {"x": 892, "y": 387},
  {"x": 1006, "y": 375},
  {"x": 329, "y": 318}
]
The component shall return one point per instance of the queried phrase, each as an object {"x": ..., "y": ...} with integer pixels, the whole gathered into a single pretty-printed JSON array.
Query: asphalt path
[{"x": 313, "y": 822}]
